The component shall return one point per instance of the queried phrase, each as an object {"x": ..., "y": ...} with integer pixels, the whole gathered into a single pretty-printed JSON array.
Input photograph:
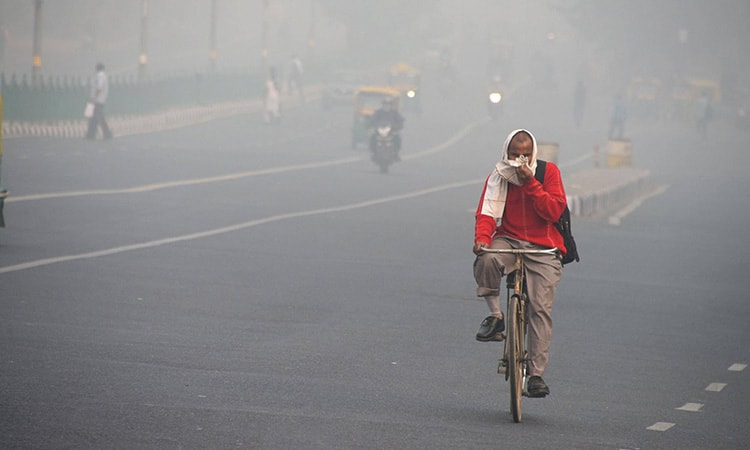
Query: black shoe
[
  {"x": 536, "y": 387},
  {"x": 490, "y": 329}
]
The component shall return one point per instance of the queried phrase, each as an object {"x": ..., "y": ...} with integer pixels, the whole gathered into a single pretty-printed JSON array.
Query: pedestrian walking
[
  {"x": 617, "y": 121},
  {"x": 294, "y": 78},
  {"x": 703, "y": 113},
  {"x": 99, "y": 94},
  {"x": 272, "y": 100}
]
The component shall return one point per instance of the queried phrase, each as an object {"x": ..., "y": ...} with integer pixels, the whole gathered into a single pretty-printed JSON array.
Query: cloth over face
[{"x": 504, "y": 172}]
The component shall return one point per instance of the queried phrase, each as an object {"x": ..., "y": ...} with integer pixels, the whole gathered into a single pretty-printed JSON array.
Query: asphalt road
[{"x": 238, "y": 285}]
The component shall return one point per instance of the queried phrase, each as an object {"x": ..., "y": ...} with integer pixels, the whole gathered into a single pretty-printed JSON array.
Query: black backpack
[{"x": 563, "y": 223}]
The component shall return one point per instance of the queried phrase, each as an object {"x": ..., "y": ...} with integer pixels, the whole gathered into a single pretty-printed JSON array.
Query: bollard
[
  {"x": 3, "y": 192},
  {"x": 547, "y": 151},
  {"x": 619, "y": 153}
]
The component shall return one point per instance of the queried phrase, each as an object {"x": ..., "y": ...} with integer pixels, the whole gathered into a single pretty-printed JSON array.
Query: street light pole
[
  {"x": 36, "y": 62},
  {"x": 212, "y": 52},
  {"x": 264, "y": 36},
  {"x": 311, "y": 33},
  {"x": 143, "y": 57}
]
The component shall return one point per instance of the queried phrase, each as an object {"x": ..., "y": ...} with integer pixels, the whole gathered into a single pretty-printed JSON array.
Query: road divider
[{"x": 594, "y": 191}]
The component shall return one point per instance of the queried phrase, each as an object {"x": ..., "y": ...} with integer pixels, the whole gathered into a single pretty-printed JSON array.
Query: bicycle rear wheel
[{"x": 516, "y": 363}]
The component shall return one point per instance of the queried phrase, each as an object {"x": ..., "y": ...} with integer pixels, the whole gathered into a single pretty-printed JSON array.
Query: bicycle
[{"x": 514, "y": 361}]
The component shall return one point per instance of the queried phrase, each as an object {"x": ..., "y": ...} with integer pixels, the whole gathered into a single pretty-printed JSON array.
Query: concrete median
[{"x": 597, "y": 191}]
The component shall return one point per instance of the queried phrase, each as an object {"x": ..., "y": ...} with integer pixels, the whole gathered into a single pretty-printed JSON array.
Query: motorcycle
[{"x": 384, "y": 147}]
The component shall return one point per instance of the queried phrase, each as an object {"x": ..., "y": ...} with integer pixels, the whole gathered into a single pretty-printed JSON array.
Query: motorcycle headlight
[
  {"x": 411, "y": 93},
  {"x": 383, "y": 131},
  {"x": 495, "y": 97}
]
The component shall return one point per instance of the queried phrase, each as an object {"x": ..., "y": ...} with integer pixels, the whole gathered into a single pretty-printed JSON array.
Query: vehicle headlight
[
  {"x": 383, "y": 131},
  {"x": 495, "y": 97},
  {"x": 411, "y": 93}
]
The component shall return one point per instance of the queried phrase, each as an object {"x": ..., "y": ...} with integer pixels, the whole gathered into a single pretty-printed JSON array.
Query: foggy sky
[{"x": 626, "y": 37}]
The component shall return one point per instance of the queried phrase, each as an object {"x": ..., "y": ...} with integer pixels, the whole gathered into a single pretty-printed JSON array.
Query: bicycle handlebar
[{"x": 516, "y": 251}]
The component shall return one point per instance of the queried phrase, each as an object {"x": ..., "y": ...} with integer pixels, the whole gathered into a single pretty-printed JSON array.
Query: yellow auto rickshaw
[
  {"x": 366, "y": 101},
  {"x": 406, "y": 80},
  {"x": 686, "y": 93}
]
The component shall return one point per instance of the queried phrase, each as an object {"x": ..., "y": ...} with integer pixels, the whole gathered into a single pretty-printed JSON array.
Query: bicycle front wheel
[{"x": 516, "y": 363}]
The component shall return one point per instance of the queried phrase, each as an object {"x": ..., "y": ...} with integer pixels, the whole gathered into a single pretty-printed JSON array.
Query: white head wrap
[{"x": 504, "y": 172}]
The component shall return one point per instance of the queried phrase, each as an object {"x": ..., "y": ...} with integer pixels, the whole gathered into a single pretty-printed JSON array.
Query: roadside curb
[
  {"x": 145, "y": 123},
  {"x": 127, "y": 125},
  {"x": 596, "y": 191}
]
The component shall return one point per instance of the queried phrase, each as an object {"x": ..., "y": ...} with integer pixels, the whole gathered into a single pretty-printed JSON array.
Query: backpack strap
[{"x": 541, "y": 168}]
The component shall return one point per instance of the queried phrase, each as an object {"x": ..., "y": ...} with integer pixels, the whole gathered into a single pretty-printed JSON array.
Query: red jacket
[{"x": 530, "y": 212}]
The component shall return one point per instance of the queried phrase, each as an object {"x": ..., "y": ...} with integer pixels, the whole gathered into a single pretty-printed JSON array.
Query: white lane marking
[
  {"x": 660, "y": 426},
  {"x": 236, "y": 227},
  {"x": 716, "y": 387},
  {"x": 169, "y": 184},
  {"x": 692, "y": 407},
  {"x": 237, "y": 175},
  {"x": 737, "y": 367},
  {"x": 443, "y": 145},
  {"x": 616, "y": 219}
]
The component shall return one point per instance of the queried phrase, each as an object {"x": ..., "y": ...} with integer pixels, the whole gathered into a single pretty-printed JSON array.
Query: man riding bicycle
[{"x": 517, "y": 211}]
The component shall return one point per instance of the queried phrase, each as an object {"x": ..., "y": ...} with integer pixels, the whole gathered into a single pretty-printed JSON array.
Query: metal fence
[{"x": 64, "y": 98}]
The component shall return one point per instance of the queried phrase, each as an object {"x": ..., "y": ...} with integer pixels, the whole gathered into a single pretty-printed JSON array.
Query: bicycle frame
[{"x": 514, "y": 361}]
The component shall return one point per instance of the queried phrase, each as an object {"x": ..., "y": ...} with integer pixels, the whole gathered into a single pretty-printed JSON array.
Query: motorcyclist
[{"x": 387, "y": 114}]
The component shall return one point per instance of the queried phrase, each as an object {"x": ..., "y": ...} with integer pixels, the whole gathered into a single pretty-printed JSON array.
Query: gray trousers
[{"x": 543, "y": 273}]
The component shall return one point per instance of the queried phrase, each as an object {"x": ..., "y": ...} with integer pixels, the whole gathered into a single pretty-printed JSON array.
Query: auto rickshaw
[
  {"x": 406, "y": 80},
  {"x": 366, "y": 101},
  {"x": 686, "y": 93}
]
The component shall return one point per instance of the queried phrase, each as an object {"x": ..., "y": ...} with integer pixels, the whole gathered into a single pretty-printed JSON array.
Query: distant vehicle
[
  {"x": 367, "y": 100},
  {"x": 406, "y": 80},
  {"x": 495, "y": 97},
  {"x": 686, "y": 92},
  {"x": 384, "y": 145},
  {"x": 341, "y": 88}
]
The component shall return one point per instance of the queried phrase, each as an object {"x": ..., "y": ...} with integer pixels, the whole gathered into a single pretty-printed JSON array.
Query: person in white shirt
[{"x": 99, "y": 93}]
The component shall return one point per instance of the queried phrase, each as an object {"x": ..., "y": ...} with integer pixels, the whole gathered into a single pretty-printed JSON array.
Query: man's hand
[
  {"x": 524, "y": 173},
  {"x": 478, "y": 246}
]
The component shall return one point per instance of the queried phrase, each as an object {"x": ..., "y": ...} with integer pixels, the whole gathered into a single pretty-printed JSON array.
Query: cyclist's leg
[
  {"x": 542, "y": 276},
  {"x": 489, "y": 268},
  {"x": 488, "y": 272}
]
